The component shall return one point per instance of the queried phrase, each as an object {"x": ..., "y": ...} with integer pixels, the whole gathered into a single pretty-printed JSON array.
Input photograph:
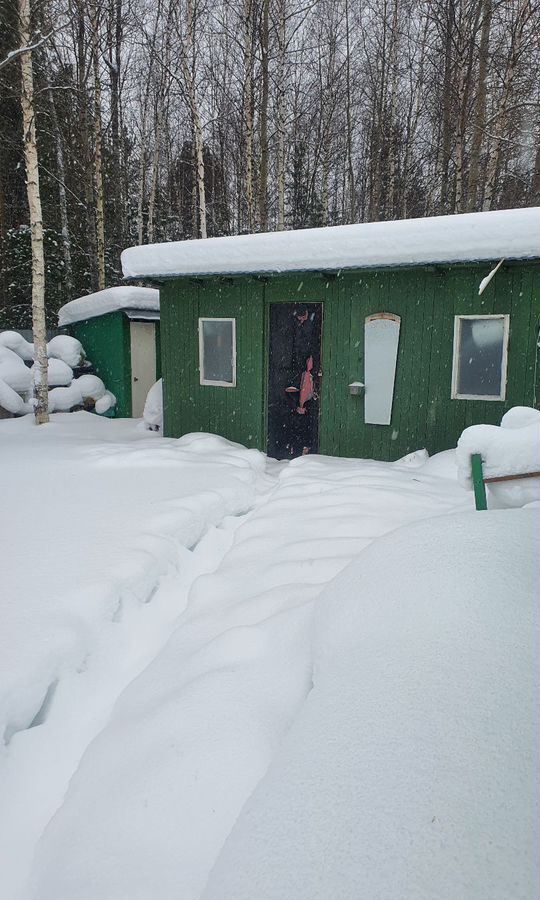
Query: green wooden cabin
[
  {"x": 119, "y": 329},
  {"x": 365, "y": 340}
]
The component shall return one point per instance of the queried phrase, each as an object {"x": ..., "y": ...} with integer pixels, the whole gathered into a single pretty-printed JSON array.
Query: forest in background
[{"x": 176, "y": 119}]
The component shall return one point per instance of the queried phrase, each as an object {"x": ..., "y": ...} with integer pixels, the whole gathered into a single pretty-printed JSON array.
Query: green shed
[
  {"x": 368, "y": 340},
  {"x": 119, "y": 329}
]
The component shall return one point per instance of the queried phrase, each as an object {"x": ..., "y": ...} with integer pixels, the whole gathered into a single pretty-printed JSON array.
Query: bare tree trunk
[
  {"x": 535, "y": 187},
  {"x": 155, "y": 172},
  {"x": 460, "y": 135},
  {"x": 392, "y": 161},
  {"x": 114, "y": 61},
  {"x": 187, "y": 56},
  {"x": 39, "y": 327},
  {"x": 501, "y": 121},
  {"x": 98, "y": 155},
  {"x": 248, "y": 109},
  {"x": 414, "y": 118},
  {"x": 90, "y": 237},
  {"x": 142, "y": 183},
  {"x": 60, "y": 164},
  {"x": 280, "y": 114},
  {"x": 263, "y": 183},
  {"x": 350, "y": 165},
  {"x": 479, "y": 116}
]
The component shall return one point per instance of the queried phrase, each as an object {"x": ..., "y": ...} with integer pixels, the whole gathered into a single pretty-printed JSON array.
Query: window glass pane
[
  {"x": 217, "y": 351},
  {"x": 480, "y": 357}
]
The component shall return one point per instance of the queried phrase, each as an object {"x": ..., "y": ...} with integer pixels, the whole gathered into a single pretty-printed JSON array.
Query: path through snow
[
  {"x": 97, "y": 520},
  {"x": 158, "y": 790}
]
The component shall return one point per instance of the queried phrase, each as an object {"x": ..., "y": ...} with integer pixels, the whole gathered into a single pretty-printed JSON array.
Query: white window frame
[
  {"x": 504, "y": 362},
  {"x": 206, "y": 381}
]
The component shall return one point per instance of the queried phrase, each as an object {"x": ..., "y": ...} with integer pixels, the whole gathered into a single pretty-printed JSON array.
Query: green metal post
[{"x": 478, "y": 481}]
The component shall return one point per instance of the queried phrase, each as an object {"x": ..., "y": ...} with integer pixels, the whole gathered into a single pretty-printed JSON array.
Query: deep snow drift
[
  {"x": 95, "y": 513},
  {"x": 159, "y": 648},
  {"x": 158, "y": 791},
  {"x": 412, "y": 769}
]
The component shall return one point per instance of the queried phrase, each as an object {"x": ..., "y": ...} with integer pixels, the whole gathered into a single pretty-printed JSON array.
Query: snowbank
[
  {"x": 109, "y": 300},
  {"x": 79, "y": 612},
  {"x": 153, "y": 407},
  {"x": 411, "y": 772},
  {"x": 159, "y": 790},
  {"x": 512, "y": 233},
  {"x": 512, "y": 449}
]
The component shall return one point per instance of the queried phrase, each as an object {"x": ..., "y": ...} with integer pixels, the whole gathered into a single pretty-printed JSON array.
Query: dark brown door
[{"x": 294, "y": 378}]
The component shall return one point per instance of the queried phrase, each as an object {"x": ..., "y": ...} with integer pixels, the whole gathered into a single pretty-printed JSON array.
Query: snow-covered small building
[
  {"x": 363, "y": 340},
  {"x": 119, "y": 329}
]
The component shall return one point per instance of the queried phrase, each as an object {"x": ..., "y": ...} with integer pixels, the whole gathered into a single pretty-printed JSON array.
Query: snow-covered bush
[
  {"x": 79, "y": 392},
  {"x": 511, "y": 449},
  {"x": 13, "y": 371},
  {"x": 153, "y": 408},
  {"x": 15, "y": 341},
  {"x": 11, "y": 401},
  {"x": 68, "y": 349},
  {"x": 59, "y": 373},
  {"x": 66, "y": 392}
]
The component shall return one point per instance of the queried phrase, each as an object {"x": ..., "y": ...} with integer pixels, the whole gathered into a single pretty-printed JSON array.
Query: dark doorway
[{"x": 294, "y": 377}]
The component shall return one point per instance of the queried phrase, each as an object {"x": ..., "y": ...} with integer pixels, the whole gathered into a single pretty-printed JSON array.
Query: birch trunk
[
  {"x": 263, "y": 183},
  {"x": 535, "y": 187},
  {"x": 84, "y": 116},
  {"x": 479, "y": 118},
  {"x": 36, "y": 220},
  {"x": 187, "y": 56},
  {"x": 445, "y": 144},
  {"x": 60, "y": 163},
  {"x": 280, "y": 115},
  {"x": 155, "y": 173},
  {"x": 350, "y": 166},
  {"x": 248, "y": 110},
  {"x": 500, "y": 126},
  {"x": 392, "y": 161},
  {"x": 98, "y": 151}
]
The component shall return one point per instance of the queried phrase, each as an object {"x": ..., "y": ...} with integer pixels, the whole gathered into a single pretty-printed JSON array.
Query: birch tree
[{"x": 36, "y": 218}]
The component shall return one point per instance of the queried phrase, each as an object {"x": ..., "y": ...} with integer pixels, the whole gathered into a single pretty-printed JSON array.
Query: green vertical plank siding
[
  {"x": 426, "y": 298},
  {"x": 106, "y": 342},
  {"x": 234, "y": 412}
]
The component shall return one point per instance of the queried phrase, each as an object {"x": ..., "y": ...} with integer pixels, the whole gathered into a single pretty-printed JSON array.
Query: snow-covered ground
[
  {"x": 412, "y": 768},
  {"x": 96, "y": 515},
  {"x": 174, "y": 605}
]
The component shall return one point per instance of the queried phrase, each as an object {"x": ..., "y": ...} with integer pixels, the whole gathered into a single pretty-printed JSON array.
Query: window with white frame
[
  {"x": 480, "y": 357},
  {"x": 217, "y": 352}
]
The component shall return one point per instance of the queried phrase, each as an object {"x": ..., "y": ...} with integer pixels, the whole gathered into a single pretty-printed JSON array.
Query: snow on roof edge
[
  {"x": 462, "y": 238},
  {"x": 109, "y": 300}
]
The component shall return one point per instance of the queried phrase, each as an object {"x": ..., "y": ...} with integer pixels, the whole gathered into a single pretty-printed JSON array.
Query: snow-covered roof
[
  {"x": 512, "y": 233},
  {"x": 109, "y": 300}
]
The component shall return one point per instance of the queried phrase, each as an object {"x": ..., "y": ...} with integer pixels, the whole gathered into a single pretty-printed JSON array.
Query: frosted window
[
  {"x": 217, "y": 351},
  {"x": 480, "y": 357},
  {"x": 381, "y": 340}
]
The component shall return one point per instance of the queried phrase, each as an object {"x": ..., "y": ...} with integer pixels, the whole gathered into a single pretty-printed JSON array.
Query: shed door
[
  {"x": 294, "y": 376},
  {"x": 143, "y": 364}
]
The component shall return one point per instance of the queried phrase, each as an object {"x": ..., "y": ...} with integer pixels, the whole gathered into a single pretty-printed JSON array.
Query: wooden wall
[{"x": 427, "y": 299}]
